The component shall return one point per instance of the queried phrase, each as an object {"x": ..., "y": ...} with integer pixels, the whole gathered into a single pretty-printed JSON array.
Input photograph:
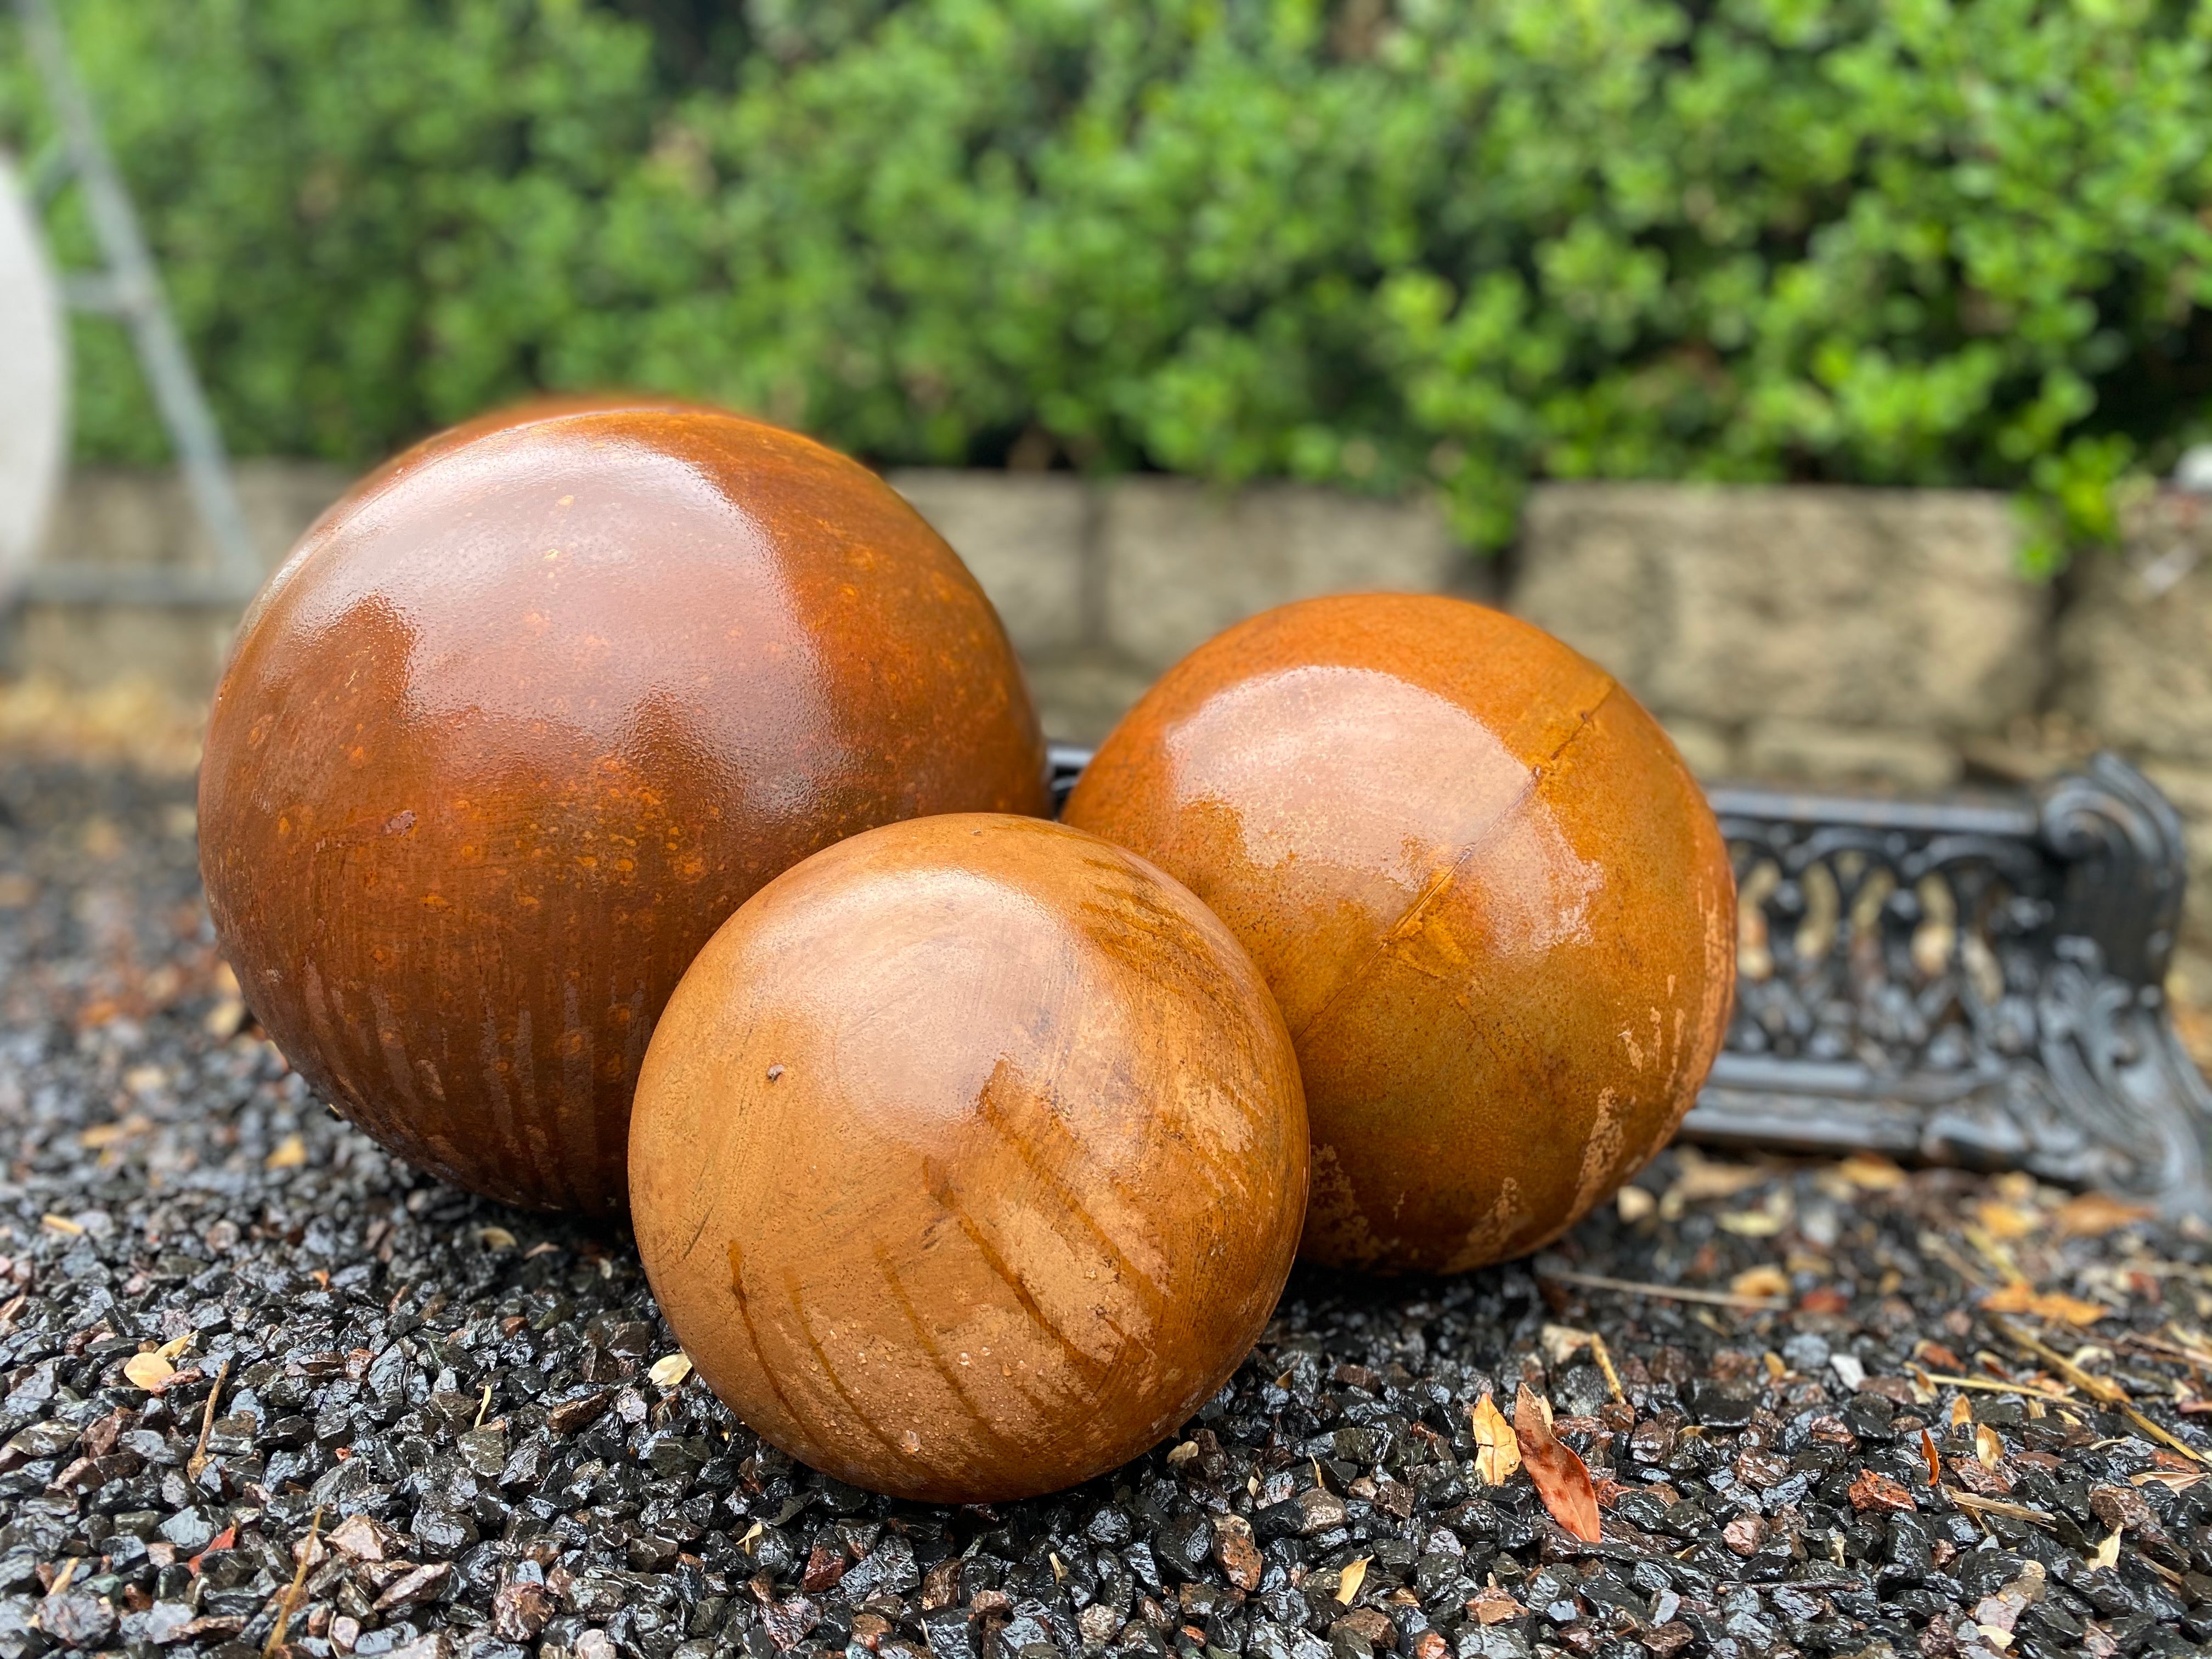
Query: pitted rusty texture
[
  {"x": 524, "y": 717},
  {"x": 968, "y": 1158},
  {"x": 1493, "y": 905}
]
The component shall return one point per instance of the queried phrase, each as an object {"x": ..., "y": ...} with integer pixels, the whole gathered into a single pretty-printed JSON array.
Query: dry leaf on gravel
[
  {"x": 670, "y": 1369},
  {"x": 291, "y": 1153},
  {"x": 2002, "y": 1220},
  {"x": 1349, "y": 1581},
  {"x": 1562, "y": 1480},
  {"x": 2093, "y": 1215},
  {"x": 103, "y": 1135},
  {"x": 1497, "y": 1449},
  {"x": 1561, "y": 1343},
  {"x": 1698, "y": 1177},
  {"x": 1875, "y": 1174},
  {"x": 1769, "y": 1281},
  {"x": 2019, "y": 1297},
  {"x": 1987, "y": 1447},
  {"x": 149, "y": 1371}
]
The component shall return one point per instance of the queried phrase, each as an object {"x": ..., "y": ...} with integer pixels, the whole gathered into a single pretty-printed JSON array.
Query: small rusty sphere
[
  {"x": 527, "y": 715},
  {"x": 1496, "y": 910},
  {"x": 968, "y": 1158}
]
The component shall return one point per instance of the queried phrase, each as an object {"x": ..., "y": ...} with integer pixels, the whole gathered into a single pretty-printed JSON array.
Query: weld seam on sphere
[
  {"x": 1494, "y": 906},
  {"x": 528, "y": 714},
  {"x": 968, "y": 1158}
]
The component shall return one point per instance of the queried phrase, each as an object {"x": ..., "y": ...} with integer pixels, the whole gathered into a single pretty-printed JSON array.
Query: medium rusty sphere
[
  {"x": 524, "y": 717},
  {"x": 968, "y": 1158},
  {"x": 1495, "y": 910}
]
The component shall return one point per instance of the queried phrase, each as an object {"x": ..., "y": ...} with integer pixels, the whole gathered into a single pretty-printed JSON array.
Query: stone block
[
  {"x": 179, "y": 649},
  {"x": 1024, "y": 537},
  {"x": 2190, "y": 788},
  {"x": 1080, "y": 695},
  {"x": 1811, "y": 751},
  {"x": 1181, "y": 561},
  {"x": 1891, "y": 610},
  {"x": 143, "y": 517},
  {"x": 2134, "y": 647},
  {"x": 1707, "y": 749},
  {"x": 128, "y": 518}
]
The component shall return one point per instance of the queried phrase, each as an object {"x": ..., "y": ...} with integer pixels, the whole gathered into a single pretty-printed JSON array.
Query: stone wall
[
  {"x": 1103, "y": 585},
  {"x": 135, "y": 520},
  {"x": 2133, "y": 658},
  {"x": 1800, "y": 632},
  {"x": 1812, "y": 633}
]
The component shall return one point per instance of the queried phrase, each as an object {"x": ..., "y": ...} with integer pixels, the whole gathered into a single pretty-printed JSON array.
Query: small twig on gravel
[
  {"x": 207, "y": 1421},
  {"x": 292, "y": 1591},
  {"x": 1992, "y": 1386},
  {"x": 2102, "y": 1387},
  {"x": 1967, "y": 1500},
  {"x": 1665, "y": 1293},
  {"x": 2097, "y": 1388},
  {"x": 1599, "y": 1353}
]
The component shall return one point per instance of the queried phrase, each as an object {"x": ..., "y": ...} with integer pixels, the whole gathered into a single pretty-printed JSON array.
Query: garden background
[{"x": 1377, "y": 244}]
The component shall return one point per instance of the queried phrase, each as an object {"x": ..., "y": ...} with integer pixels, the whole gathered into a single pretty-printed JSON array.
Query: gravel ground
[{"x": 389, "y": 1417}]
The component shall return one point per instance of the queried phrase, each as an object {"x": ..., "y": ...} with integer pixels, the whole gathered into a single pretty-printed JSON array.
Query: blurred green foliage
[{"x": 1380, "y": 243}]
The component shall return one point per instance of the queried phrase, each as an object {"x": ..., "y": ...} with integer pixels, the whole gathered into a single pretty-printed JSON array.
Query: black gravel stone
[{"x": 438, "y": 1415}]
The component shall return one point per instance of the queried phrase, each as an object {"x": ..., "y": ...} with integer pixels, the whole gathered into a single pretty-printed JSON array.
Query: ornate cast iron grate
[{"x": 1973, "y": 978}]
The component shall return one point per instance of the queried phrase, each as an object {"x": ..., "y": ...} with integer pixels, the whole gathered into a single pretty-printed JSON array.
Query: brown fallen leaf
[
  {"x": 1769, "y": 1280},
  {"x": 2002, "y": 1220},
  {"x": 1987, "y": 1447},
  {"x": 2019, "y": 1297},
  {"x": 1962, "y": 1414},
  {"x": 2108, "y": 1553},
  {"x": 1932, "y": 1458},
  {"x": 291, "y": 1153},
  {"x": 1874, "y": 1173},
  {"x": 1562, "y": 1480},
  {"x": 1348, "y": 1580},
  {"x": 2092, "y": 1215},
  {"x": 1497, "y": 1450},
  {"x": 1700, "y": 1177},
  {"x": 149, "y": 1371},
  {"x": 103, "y": 1135}
]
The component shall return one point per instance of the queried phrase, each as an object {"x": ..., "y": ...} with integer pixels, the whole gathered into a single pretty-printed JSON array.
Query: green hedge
[{"x": 1380, "y": 243}]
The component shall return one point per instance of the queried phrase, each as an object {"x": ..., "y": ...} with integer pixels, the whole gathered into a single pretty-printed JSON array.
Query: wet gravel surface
[{"x": 253, "y": 1372}]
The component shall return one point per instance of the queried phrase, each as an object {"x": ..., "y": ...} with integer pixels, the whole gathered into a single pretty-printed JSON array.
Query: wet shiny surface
[
  {"x": 968, "y": 1158},
  {"x": 525, "y": 717},
  {"x": 1493, "y": 906}
]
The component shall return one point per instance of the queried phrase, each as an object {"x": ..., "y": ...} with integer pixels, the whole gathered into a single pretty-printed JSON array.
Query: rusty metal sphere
[
  {"x": 527, "y": 716},
  {"x": 968, "y": 1158},
  {"x": 1494, "y": 906}
]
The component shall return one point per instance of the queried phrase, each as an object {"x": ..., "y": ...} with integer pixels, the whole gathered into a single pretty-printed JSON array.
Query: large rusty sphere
[
  {"x": 1495, "y": 910},
  {"x": 523, "y": 720},
  {"x": 968, "y": 1158}
]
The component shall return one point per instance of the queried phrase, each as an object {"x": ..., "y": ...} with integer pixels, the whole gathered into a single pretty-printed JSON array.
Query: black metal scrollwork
[
  {"x": 1976, "y": 978},
  {"x": 1971, "y": 978}
]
